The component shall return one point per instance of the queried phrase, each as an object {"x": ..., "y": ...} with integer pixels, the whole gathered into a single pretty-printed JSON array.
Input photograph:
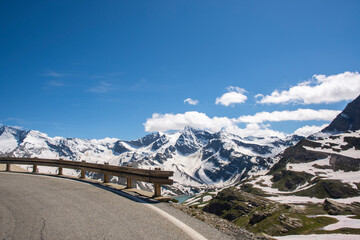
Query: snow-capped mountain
[
  {"x": 300, "y": 185},
  {"x": 199, "y": 159},
  {"x": 326, "y": 164}
]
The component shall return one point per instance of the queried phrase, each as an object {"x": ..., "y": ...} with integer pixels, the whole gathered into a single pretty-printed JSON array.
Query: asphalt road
[{"x": 44, "y": 207}]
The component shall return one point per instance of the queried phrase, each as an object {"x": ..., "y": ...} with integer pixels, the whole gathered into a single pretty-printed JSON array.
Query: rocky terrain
[
  {"x": 312, "y": 188},
  {"x": 261, "y": 215},
  {"x": 325, "y": 165}
]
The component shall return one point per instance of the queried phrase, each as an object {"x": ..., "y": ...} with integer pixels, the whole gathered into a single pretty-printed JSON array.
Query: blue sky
[{"x": 95, "y": 69}]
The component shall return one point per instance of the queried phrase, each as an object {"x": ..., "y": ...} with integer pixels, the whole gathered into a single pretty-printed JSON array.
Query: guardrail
[{"x": 157, "y": 176}]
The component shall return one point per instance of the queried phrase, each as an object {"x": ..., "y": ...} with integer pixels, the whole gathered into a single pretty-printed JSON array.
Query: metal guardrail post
[
  {"x": 34, "y": 168},
  {"x": 8, "y": 167},
  {"x": 82, "y": 173},
  {"x": 60, "y": 171},
  {"x": 106, "y": 175},
  {"x": 128, "y": 183},
  {"x": 157, "y": 187},
  {"x": 157, "y": 190},
  {"x": 129, "y": 180}
]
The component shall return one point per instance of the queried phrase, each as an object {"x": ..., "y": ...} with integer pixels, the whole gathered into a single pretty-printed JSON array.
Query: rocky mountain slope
[
  {"x": 310, "y": 182},
  {"x": 199, "y": 159},
  {"x": 347, "y": 120},
  {"x": 325, "y": 165},
  {"x": 321, "y": 168}
]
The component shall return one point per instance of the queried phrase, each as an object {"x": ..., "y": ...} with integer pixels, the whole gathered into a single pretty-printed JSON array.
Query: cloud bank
[
  {"x": 254, "y": 127},
  {"x": 297, "y": 115},
  {"x": 321, "y": 89},
  {"x": 308, "y": 130},
  {"x": 53, "y": 74},
  {"x": 169, "y": 121},
  {"x": 235, "y": 95}
]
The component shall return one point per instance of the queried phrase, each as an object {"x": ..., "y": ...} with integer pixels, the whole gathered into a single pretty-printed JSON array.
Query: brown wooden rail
[{"x": 157, "y": 177}]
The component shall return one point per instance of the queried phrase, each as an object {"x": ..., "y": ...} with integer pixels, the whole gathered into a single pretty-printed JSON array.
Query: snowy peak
[
  {"x": 145, "y": 141},
  {"x": 15, "y": 132},
  {"x": 191, "y": 140},
  {"x": 119, "y": 148},
  {"x": 10, "y": 138},
  {"x": 347, "y": 120}
]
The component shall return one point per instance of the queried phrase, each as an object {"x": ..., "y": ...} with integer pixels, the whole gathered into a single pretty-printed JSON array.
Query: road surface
[{"x": 45, "y": 207}]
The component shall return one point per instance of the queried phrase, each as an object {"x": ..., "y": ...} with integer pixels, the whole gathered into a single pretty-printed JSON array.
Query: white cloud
[
  {"x": 235, "y": 95},
  {"x": 169, "y": 121},
  {"x": 321, "y": 89},
  {"x": 102, "y": 87},
  {"x": 297, "y": 115},
  {"x": 255, "y": 130},
  {"x": 54, "y": 83},
  {"x": 191, "y": 101},
  {"x": 17, "y": 127},
  {"x": 53, "y": 74},
  {"x": 308, "y": 130},
  {"x": 254, "y": 126}
]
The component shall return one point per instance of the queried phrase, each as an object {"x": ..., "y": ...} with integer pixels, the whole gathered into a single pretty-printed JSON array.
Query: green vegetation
[
  {"x": 247, "y": 206},
  {"x": 260, "y": 215},
  {"x": 283, "y": 222},
  {"x": 290, "y": 180},
  {"x": 249, "y": 188}
]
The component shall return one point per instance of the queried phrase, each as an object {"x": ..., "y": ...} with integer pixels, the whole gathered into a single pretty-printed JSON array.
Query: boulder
[
  {"x": 258, "y": 217},
  {"x": 290, "y": 222},
  {"x": 335, "y": 208}
]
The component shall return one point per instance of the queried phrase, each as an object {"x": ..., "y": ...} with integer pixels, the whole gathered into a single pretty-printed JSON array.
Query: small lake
[{"x": 182, "y": 198}]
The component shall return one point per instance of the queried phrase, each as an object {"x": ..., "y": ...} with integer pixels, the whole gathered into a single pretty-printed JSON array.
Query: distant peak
[
  {"x": 193, "y": 129},
  {"x": 11, "y": 129},
  {"x": 348, "y": 119},
  {"x": 188, "y": 128}
]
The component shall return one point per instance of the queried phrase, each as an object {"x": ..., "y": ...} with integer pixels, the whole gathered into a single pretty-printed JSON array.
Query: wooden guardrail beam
[{"x": 157, "y": 176}]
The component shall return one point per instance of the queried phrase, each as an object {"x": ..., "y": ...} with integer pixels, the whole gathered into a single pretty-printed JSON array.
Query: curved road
[{"x": 43, "y": 207}]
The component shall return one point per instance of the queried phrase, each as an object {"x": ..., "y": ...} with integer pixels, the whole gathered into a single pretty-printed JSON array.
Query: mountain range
[
  {"x": 199, "y": 159},
  {"x": 203, "y": 160}
]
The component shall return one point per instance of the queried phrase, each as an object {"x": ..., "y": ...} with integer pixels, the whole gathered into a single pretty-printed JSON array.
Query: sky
[{"x": 123, "y": 69}]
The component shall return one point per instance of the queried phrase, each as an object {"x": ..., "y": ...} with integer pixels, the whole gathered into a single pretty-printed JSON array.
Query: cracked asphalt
[{"x": 43, "y": 207}]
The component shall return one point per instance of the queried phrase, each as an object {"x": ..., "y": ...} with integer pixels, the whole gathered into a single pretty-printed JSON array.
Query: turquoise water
[{"x": 183, "y": 198}]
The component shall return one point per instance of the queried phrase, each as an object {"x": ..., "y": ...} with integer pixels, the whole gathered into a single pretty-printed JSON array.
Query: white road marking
[{"x": 190, "y": 231}]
